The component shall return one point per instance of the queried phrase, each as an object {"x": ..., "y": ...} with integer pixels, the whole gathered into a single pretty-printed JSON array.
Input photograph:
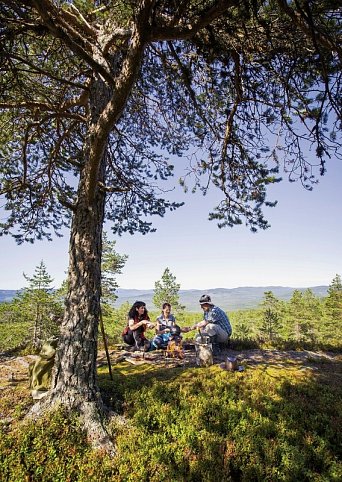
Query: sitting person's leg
[
  {"x": 141, "y": 342},
  {"x": 129, "y": 338},
  {"x": 138, "y": 340},
  {"x": 221, "y": 336},
  {"x": 160, "y": 341}
]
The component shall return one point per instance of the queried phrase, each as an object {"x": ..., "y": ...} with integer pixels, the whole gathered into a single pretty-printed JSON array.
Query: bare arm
[
  {"x": 200, "y": 324},
  {"x": 134, "y": 326}
]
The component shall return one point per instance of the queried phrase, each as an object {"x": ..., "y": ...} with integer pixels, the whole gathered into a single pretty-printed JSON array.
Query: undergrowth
[
  {"x": 195, "y": 424},
  {"x": 13, "y": 335}
]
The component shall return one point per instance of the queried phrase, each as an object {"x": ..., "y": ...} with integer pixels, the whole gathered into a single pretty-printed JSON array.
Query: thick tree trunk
[
  {"x": 74, "y": 383},
  {"x": 75, "y": 377}
]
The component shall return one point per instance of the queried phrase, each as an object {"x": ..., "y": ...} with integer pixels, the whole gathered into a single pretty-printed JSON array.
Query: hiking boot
[
  {"x": 146, "y": 346},
  {"x": 133, "y": 348}
]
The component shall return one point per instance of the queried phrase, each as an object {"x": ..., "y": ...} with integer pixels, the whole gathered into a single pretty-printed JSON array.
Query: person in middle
[{"x": 166, "y": 328}]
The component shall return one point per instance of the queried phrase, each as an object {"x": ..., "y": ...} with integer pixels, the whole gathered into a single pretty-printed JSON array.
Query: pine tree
[
  {"x": 304, "y": 315},
  {"x": 166, "y": 290},
  {"x": 111, "y": 265},
  {"x": 242, "y": 329},
  {"x": 333, "y": 304},
  {"x": 271, "y": 323},
  {"x": 39, "y": 303},
  {"x": 244, "y": 324},
  {"x": 96, "y": 96}
]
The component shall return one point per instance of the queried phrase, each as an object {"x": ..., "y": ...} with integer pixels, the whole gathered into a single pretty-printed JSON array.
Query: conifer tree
[
  {"x": 111, "y": 265},
  {"x": 95, "y": 97},
  {"x": 166, "y": 290},
  {"x": 243, "y": 329},
  {"x": 39, "y": 304},
  {"x": 272, "y": 310},
  {"x": 333, "y": 304},
  {"x": 304, "y": 314}
]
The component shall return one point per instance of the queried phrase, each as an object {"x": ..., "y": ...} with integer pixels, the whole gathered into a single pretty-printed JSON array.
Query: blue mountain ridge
[{"x": 229, "y": 299}]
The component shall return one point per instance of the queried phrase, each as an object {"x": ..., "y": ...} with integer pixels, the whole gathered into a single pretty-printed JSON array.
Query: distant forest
[{"x": 280, "y": 317}]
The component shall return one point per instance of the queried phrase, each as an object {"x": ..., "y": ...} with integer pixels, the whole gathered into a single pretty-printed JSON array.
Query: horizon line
[{"x": 203, "y": 289}]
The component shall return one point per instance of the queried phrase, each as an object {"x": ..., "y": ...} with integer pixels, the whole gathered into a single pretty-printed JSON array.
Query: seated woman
[
  {"x": 138, "y": 322},
  {"x": 166, "y": 328}
]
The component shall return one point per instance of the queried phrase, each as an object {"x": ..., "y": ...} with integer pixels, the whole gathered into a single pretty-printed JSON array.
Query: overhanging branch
[
  {"x": 59, "y": 27},
  {"x": 123, "y": 86},
  {"x": 205, "y": 17},
  {"x": 310, "y": 31}
]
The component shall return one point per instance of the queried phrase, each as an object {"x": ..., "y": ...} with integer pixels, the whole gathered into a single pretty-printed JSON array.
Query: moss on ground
[{"x": 267, "y": 423}]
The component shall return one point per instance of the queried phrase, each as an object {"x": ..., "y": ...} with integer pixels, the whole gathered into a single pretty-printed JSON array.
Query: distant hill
[
  {"x": 7, "y": 295},
  {"x": 228, "y": 299}
]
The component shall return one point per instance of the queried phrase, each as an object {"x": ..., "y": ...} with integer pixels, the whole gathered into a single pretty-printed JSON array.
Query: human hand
[{"x": 186, "y": 329}]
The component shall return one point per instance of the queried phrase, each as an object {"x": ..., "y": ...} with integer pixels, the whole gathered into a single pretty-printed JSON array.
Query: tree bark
[{"x": 74, "y": 384}]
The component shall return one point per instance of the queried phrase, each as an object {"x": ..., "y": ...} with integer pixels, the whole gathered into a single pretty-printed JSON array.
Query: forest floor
[
  {"x": 286, "y": 400},
  {"x": 14, "y": 369},
  {"x": 15, "y": 393},
  {"x": 328, "y": 362}
]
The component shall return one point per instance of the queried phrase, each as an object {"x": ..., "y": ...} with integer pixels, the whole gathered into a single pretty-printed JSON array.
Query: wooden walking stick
[{"x": 105, "y": 344}]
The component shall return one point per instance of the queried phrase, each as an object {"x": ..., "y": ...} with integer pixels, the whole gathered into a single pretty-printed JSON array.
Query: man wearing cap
[{"x": 215, "y": 321}]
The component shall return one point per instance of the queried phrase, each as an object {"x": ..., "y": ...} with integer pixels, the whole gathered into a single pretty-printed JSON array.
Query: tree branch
[
  {"x": 39, "y": 70},
  {"x": 80, "y": 21},
  {"x": 312, "y": 32},
  {"x": 61, "y": 29},
  {"x": 230, "y": 117},
  {"x": 32, "y": 106},
  {"x": 205, "y": 18},
  {"x": 105, "y": 188},
  {"x": 123, "y": 86},
  {"x": 186, "y": 76}
]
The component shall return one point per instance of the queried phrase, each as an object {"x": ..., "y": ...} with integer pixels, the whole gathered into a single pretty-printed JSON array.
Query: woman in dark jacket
[{"x": 138, "y": 322}]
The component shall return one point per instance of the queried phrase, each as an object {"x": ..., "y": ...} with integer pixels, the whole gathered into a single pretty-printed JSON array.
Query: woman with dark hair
[{"x": 138, "y": 322}]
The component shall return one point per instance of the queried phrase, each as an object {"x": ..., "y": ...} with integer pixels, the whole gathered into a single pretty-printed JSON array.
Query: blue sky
[{"x": 302, "y": 248}]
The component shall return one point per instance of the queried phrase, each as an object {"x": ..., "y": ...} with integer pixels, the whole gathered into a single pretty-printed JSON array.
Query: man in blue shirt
[{"x": 215, "y": 321}]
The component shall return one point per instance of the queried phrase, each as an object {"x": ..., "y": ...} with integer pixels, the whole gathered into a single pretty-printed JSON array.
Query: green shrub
[
  {"x": 209, "y": 425},
  {"x": 195, "y": 424},
  {"x": 13, "y": 335},
  {"x": 200, "y": 424},
  {"x": 54, "y": 449}
]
